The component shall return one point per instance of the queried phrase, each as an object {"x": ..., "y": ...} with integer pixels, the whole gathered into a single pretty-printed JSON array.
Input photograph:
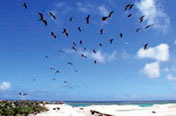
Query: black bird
[
  {"x": 70, "y": 63},
  {"x": 83, "y": 56},
  {"x": 71, "y": 19},
  {"x": 54, "y": 79},
  {"x": 46, "y": 57},
  {"x": 65, "y": 82},
  {"x": 25, "y": 5},
  {"x": 145, "y": 46},
  {"x": 85, "y": 48},
  {"x": 42, "y": 19},
  {"x": 73, "y": 47},
  {"x": 121, "y": 35},
  {"x": 79, "y": 29},
  {"x": 130, "y": 15},
  {"x": 101, "y": 45},
  {"x": 61, "y": 51},
  {"x": 126, "y": 7},
  {"x": 110, "y": 14},
  {"x": 52, "y": 15},
  {"x": 131, "y": 6},
  {"x": 81, "y": 42},
  {"x": 76, "y": 70},
  {"x": 141, "y": 18},
  {"x": 138, "y": 29},
  {"x": 104, "y": 18},
  {"x": 94, "y": 51},
  {"x": 65, "y": 32},
  {"x": 52, "y": 68},
  {"x": 88, "y": 19},
  {"x": 148, "y": 26},
  {"x": 101, "y": 31},
  {"x": 74, "y": 44},
  {"x": 95, "y": 61},
  {"x": 57, "y": 71},
  {"x": 53, "y": 35},
  {"x": 111, "y": 40}
]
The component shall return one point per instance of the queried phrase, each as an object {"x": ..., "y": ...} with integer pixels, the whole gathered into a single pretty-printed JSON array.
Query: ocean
[{"x": 139, "y": 103}]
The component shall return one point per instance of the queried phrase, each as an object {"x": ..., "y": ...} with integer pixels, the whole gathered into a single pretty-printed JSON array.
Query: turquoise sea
[{"x": 139, "y": 103}]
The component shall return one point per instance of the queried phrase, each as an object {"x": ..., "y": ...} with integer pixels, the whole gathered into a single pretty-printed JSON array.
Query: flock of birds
[{"x": 42, "y": 19}]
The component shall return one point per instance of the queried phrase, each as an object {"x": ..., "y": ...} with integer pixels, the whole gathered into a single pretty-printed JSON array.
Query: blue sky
[{"x": 124, "y": 71}]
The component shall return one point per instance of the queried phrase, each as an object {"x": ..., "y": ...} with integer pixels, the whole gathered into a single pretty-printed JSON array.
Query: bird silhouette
[
  {"x": 46, "y": 57},
  {"x": 76, "y": 70},
  {"x": 101, "y": 31},
  {"x": 88, "y": 19},
  {"x": 131, "y": 6},
  {"x": 104, "y": 18},
  {"x": 79, "y": 29},
  {"x": 130, "y": 15},
  {"x": 81, "y": 42},
  {"x": 95, "y": 61},
  {"x": 148, "y": 26},
  {"x": 65, "y": 32},
  {"x": 52, "y": 68},
  {"x": 74, "y": 48},
  {"x": 53, "y": 35},
  {"x": 83, "y": 56},
  {"x": 71, "y": 19},
  {"x": 138, "y": 29},
  {"x": 52, "y": 15},
  {"x": 111, "y": 40},
  {"x": 127, "y": 6},
  {"x": 110, "y": 14},
  {"x": 141, "y": 18},
  {"x": 61, "y": 51},
  {"x": 57, "y": 71},
  {"x": 94, "y": 51},
  {"x": 74, "y": 44},
  {"x": 121, "y": 35},
  {"x": 70, "y": 63},
  {"x": 25, "y": 5},
  {"x": 145, "y": 46},
  {"x": 42, "y": 19},
  {"x": 100, "y": 44}
]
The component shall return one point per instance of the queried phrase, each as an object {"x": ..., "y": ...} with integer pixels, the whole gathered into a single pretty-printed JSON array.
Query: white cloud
[
  {"x": 152, "y": 70},
  {"x": 4, "y": 86},
  {"x": 103, "y": 10},
  {"x": 159, "y": 53},
  {"x": 171, "y": 77},
  {"x": 166, "y": 69},
  {"x": 154, "y": 14}
]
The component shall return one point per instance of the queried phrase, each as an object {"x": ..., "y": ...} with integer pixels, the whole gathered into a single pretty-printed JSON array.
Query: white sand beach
[{"x": 108, "y": 110}]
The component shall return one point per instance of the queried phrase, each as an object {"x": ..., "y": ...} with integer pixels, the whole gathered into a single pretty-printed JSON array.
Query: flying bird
[
  {"x": 71, "y": 19},
  {"x": 101, "y": 45},
  {"x": 73, "y": 47},
  {"x": 126, "y": 7},
  {"x": 131, "y": 6},
  {"x": 130, "y": 15},
  {"x": 111, "y": 40},
  {"x": 25, "y": 5},
  {"x": 94, "y": 51},
  {"x": 110, "y": 14},
  {"x": 145, "y": 46},
  {"x": 95, "y": 61},
  {"x": 70, "y": 63},
  {"x": 46, "y": 57},
  {"x": 83, "y": 56},
  {"x": 65, "y": 32},
  {"x": 148, "y": 26},
  {"x": 101, "y": 31},
  {"x": 88, "y": 19},
  {"x": 81, "y": 42},
  {"x": 141, "y": 18},
  {"x": 121, "y": 35},
  {"x": 79, "y": 29},
  {"x": 52, "y": 15},
  {"x": 61, "y": 51},
  {"x": 53, "y": 35},
  {"x": 104, "y": 18},
  {"x": 52, "y": 68},
  {"x": 74, "y": 44},
  {"x": 42, "y": 19},
  {"x": 138, "y": 29},
  {"x": 57, "y": 71},
  {"x": 76, "y": 70}
]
